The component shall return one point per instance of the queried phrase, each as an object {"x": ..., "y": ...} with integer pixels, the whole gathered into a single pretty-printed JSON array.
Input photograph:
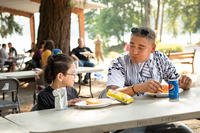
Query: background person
[
  {"x": 12, "y": 50},
  {"x": 56, "y": 51},
  {"x": 5, "y": 60},
  {"x": 98, "y": 48},
  {"x": 38, "y": 55},
  {"x": 142, "y": 70},
  {"x": 83, "y": 54},
  {"x": 47, "y": 51}
]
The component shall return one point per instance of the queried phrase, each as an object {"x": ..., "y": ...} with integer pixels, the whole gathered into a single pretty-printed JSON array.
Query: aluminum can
[{"x": 173, "y": 89}]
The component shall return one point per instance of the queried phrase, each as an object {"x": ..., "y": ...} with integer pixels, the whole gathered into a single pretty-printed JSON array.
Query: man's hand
[
  {"x": 184, "y": 82},
  {"x": 88, "y": 54},
  {"x": 149, "y": 86}
]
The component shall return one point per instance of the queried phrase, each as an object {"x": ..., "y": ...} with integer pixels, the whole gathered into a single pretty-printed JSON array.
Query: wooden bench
[{"x": 183, "y": 57}]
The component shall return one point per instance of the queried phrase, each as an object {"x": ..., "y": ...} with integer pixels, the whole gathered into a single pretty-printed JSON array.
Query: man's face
[
  {"x": 140, "y": 49},
  {"x": 80, "y": 42},
  {"x": 9, "y": 45}
]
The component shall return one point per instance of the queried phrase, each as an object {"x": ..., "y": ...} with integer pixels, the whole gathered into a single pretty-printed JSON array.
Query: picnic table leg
[
  {"x": 192, "y": 67},
  {"x": 90, "y": 85},
  {"x": 35, "y": 91},
  {"x": 79, "y": 83}
]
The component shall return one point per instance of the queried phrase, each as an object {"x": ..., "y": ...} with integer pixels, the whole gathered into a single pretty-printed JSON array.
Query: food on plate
[
  {"x": 90, "y": 101},
  {"x": 120, "y": 96},
  {"x": 164, "y": 89}
]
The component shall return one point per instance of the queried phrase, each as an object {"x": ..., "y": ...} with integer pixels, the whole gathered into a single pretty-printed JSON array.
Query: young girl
[{"x": 59, "y": 72}]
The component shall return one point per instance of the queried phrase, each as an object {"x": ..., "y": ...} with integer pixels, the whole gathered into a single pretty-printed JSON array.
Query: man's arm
[
  {"x": 74, "y": 57},
  {"x": 128, "y": 90},
  {"x": 149, "y": 86},
  {"x": 184, "y": 82},
  {"x": 91, "y": 54}
]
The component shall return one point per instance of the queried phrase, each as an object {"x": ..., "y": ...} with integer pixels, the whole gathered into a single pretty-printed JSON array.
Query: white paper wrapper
[{"x": 60, "y": 98}]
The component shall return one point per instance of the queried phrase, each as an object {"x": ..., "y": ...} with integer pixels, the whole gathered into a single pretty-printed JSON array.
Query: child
[{"x": 59, "y": 72}]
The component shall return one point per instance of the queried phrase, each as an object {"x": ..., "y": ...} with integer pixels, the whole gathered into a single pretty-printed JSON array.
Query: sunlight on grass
[{"x": 169, "y": 47}]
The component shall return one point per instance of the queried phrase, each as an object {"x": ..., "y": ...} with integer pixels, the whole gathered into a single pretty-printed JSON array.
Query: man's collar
[{"x": 150, "y": 59}]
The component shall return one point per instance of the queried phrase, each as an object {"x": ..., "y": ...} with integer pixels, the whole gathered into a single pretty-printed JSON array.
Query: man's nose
[{"x": 135, "y": 51}]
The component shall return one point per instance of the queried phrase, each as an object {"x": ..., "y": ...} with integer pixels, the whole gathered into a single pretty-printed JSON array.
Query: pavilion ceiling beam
[
  {"x": 81, "y": 19},
  {"x": 15, "y": 12},
  {"x": 32, "y": 28},
  {"x": 37, "y": 1}
]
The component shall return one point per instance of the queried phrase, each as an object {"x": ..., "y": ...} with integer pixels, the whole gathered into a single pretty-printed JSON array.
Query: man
[
  {"x": 143, "y": 68},
  {"x": 12, "y": 50},
  {"x": 98, "y": 48},
  {"x": 4, "y": 59},
  {"x": 82, "y": 54}
]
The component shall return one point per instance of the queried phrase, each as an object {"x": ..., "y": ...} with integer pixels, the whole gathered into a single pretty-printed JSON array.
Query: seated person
[
  {"x": 82, "y": 54},
  {"x": 12, "y": 50},
  {"x": 56, "y": 51},
  {"x": 63, "y": 76},
  {"x": 47, "y": 51},
  {"x": 38, "y": 55},
  {"x": 5, "y": 60},
  {"x": 142, "y": 70}
]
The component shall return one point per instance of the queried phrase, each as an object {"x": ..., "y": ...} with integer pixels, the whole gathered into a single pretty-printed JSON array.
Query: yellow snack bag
[{"x": 122, "y": 97}]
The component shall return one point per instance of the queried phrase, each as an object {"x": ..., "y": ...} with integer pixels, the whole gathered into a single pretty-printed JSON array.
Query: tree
[
  {"x": 147, "y": 8},
  {"x": 185, "y": 12},
  {"x": 162, "y": 19},
  {"x": 157, "y": 16},
  {"x": 8, "y": 25},
  {"x": 116, "y": 20},
  {"x": 55, "y": 17}
]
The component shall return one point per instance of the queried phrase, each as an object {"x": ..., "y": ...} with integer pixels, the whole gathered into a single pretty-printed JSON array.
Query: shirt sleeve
[
  {"x": 73, "y": 51},
  {"x": 116, "y": 74},
  {"x": 88, "y": 49},
  {"x": 45, "y": 102},
  {"x": 169, "y": 70}
]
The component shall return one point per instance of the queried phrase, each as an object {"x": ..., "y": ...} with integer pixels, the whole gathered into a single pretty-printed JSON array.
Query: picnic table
[
  {"x": 19, "y": 74},
  {"x": 145, "y": 110},
  {"x": 7, "y": 126}
]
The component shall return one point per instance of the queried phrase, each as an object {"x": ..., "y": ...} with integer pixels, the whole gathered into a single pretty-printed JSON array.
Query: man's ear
[{"x": 153, "y": 47}]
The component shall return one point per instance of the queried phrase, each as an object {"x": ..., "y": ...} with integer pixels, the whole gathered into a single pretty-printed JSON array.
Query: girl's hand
[{"x": 73, "y": 101}]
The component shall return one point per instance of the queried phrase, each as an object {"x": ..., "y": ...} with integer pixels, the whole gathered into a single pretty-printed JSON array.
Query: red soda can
[{"x": 173, "y": 89}]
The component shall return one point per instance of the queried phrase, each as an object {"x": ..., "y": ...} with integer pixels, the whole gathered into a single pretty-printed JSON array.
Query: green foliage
[
  {"x": 165, "y": 48},
  {"x": 120, "y": 15},
  {"x": 115, "y": 20},
  {"x": 185, "y": 11},
  {"x": 8, "y": 25},
  {"x": 110, "y": 51}
]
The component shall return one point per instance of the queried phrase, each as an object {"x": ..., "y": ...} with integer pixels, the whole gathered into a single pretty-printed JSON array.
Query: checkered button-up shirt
[{"x": 125, "y": 73}]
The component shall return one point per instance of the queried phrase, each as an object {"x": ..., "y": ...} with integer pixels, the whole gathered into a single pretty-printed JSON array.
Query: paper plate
[
  {"x": 104, "y": 102},
  {"x": 160, "y": 94}
]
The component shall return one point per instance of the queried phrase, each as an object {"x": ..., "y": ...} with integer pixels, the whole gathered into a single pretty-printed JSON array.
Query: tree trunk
[
  {"x": 147, "y": 12},
  {"x": 55, "y": 17},
  {"x": 162, "y": 17},
  {"x": 141, "y": 12},
  {"x": 157, "y": 16},
  {"x": 190, "y": 37}
]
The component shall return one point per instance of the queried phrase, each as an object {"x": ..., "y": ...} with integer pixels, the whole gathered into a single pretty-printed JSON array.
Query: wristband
[{"x": 132, "y": 87}]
